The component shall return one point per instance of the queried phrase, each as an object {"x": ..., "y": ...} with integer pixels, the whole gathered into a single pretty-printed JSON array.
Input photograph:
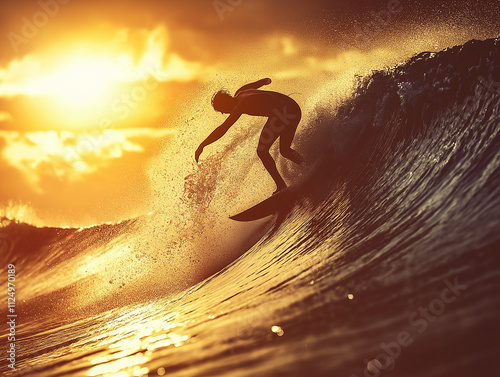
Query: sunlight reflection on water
[{"x": 132, "y": 338}]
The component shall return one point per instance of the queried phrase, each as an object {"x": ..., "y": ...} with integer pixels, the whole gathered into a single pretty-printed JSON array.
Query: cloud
[
  {"x": 131, "y": 56},
  {"x": 68, "y": 156}
]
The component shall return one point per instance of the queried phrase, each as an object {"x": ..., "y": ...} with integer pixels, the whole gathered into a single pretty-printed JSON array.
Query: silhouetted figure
[{"x": 283, "y": 118}]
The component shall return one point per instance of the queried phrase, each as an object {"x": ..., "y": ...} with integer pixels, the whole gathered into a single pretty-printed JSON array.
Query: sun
[{"x": 82, "y": 83}]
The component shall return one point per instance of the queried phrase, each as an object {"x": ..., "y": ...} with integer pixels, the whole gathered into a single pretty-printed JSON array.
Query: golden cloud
[
  {"x": 69, "y": 156},
  {"x": 131, "y": 56}
]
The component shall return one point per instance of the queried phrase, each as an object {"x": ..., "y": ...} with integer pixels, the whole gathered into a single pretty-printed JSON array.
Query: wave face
[{"x": 387, "y": 264}]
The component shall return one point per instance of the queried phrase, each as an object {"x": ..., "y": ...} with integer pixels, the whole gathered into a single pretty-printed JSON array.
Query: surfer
[{"x": 283, "y": 115}]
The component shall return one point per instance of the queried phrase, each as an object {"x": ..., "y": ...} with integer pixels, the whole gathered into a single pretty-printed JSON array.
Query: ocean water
[{"x": 386, "y": 264}]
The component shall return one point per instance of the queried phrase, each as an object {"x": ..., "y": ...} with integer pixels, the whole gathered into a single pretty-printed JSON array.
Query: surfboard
[
  {"x": 277, "y": 203},
  {"x": 283, "y": 200}
]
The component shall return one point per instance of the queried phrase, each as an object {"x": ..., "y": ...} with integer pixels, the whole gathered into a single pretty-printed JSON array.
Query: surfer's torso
[{"x": 263, "y": 102}]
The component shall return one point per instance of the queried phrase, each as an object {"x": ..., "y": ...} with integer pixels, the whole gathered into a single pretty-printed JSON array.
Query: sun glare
[
  {"x": 82, "y": 83},
  {"x": 78, "y": 85}
]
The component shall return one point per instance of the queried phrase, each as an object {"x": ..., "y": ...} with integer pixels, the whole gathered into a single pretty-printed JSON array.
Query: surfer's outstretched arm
[
  {"x": 254, "y": 85},
  {"x": 217, "y": 133}
]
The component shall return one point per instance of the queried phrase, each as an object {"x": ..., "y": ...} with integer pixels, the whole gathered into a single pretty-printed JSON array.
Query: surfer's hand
[
  {"x": 198, "y": 152},
  {"x": 268, "y": 81}
]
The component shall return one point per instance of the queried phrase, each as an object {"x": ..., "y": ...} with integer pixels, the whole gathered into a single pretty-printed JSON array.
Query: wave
[{"x": 406, "y": 196}]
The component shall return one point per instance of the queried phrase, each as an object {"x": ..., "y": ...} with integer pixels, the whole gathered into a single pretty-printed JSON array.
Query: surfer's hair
[{"x": 220, "y": 99}]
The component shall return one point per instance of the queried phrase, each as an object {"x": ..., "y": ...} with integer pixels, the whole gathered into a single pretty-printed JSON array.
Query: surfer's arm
[
  {"x": 253, "y": 85},
  {"x": 217, "y": 133}
]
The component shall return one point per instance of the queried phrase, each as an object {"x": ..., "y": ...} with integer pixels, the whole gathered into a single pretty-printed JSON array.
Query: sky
[{"x": 92, "y": 91}]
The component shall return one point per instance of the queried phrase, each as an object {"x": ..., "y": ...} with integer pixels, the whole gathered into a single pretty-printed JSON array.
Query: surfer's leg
[
  {"x": 286, "y": 139},
  {"x": 267, "y": 138},
  {"x": 290, "y": 154}
]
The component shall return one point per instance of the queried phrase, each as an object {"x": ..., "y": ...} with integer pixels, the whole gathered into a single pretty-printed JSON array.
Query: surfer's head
[{"x": 223, "y": 102}]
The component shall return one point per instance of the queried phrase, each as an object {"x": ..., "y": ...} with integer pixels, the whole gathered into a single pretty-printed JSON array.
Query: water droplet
[{"x": 277, "y": 330}]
